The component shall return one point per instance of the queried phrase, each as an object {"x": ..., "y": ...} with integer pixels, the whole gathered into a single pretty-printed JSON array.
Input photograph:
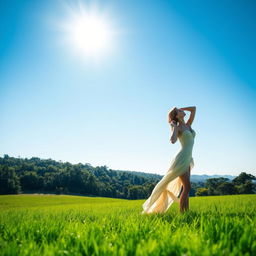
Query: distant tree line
[
  {"x": 35, "y": 175},
  {"x": 242, "y": 184}
]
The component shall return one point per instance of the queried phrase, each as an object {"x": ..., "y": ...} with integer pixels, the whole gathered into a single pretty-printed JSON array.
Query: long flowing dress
[{"x": 168, "y": 189}]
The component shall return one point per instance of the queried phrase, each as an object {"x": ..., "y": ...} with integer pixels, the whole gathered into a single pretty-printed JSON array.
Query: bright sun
[{"x": 87, "y": 32}]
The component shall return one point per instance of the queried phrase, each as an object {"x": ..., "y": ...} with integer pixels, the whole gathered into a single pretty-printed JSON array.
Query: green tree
[
  {"x": 9, "y": 181},
  {"x": 202, "y": 192},
  {"x": 213, "y": 183},
  {"x": 136, "y": 192},
  {"x": 247, "y": 188},
  {"x": 242, "y": 178},
  {"x": 31, "y": 181},
  {"x": 227, "y": 188}
]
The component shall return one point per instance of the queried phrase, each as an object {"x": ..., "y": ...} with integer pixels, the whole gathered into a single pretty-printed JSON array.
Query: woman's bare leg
[
  {"x": 187, "y": 199},
  {"x": 184, "y": 198}
]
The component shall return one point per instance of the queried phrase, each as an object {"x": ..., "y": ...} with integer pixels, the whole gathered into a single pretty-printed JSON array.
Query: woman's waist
[
  {"x": 185, "y": 151},
  {"x": 188, "y": 148}
]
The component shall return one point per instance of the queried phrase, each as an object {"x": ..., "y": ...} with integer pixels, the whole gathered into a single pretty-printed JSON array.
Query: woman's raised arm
[{"x": 192, "y": 114}]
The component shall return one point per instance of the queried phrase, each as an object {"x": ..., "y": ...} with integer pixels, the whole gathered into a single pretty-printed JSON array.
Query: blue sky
[{"x": 55, "y": 104}]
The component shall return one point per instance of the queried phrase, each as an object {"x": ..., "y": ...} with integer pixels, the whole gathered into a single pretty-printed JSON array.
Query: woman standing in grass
[{"x": 177, "y": 178}]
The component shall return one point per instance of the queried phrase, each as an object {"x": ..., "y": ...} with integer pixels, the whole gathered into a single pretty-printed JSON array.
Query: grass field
[{"x": 73, "y": 225}]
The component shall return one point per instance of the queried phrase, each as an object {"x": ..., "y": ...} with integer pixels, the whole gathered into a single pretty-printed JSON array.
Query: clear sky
[{"x": 56, "y": 102}]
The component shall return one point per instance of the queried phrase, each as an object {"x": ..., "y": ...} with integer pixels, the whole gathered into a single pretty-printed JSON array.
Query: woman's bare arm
[
  {"x": 174, "y": 135},
  {"x": 192, "y": 114}
]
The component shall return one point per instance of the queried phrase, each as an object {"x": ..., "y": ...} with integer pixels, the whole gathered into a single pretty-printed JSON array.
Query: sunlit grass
[{"x": 73, "y": 225}]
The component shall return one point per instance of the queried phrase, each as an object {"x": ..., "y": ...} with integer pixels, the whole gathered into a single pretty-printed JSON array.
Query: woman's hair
[{"x": 172, "y": 115}]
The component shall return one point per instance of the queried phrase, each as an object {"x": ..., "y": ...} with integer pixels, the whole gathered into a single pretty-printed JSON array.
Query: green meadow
[{"x": 76, "y": 225}]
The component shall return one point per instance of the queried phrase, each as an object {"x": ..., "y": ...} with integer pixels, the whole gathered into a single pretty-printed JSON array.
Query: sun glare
[{"x": 88, "y": 32}]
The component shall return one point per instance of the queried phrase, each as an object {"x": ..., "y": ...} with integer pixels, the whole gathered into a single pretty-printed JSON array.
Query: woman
[{"x": 177, "y": 178}]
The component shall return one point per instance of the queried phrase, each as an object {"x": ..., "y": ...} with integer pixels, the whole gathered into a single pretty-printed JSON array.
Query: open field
[{"x": 73, "y": 225}]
